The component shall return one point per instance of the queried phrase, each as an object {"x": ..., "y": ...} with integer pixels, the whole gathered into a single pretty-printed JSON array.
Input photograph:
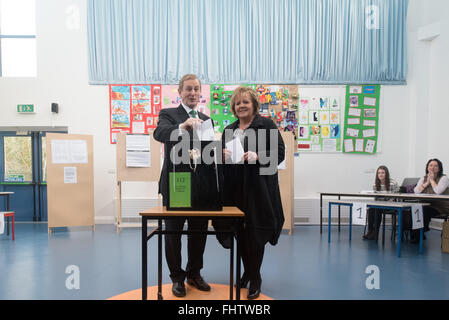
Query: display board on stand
[
  {"x": 127, "y": 173},
  {"x": 70, "y": 180}
]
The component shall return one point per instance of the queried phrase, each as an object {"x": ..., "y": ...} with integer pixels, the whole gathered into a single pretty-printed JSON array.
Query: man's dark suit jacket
[{"x": 169, "y": 120}]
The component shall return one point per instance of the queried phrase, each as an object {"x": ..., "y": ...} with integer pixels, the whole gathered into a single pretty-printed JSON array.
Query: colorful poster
[
  {"x": 280, "y": 103},
  {"x": 171, "y": 98},
  {"x": 133, "y": 108},
  {"x": 220, "y": 105},
  {"x": 319, "y": 124},
  {"x": 361, "y": 119}
]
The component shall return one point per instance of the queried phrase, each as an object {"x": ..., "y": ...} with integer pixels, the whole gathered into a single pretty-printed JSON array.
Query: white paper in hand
[
  {"x": 206, "y": 132},
  {"x": 236, "y": 148}
]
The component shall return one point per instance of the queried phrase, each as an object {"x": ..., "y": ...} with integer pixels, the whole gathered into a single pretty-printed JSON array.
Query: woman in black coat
[{"x": 252, "y": 183}]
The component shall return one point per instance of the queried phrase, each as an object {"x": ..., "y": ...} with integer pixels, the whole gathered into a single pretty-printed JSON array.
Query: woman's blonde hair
[{"x": 252, "y": 94}]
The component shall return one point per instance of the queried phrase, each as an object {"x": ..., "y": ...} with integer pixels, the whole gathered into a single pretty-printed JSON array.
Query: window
[
  {"x": 17, "y": 38},
  {"x": 17, "y": 152}
]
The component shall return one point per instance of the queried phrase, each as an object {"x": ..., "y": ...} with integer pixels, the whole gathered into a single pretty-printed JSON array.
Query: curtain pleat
[{"x": 247, "y": 41}]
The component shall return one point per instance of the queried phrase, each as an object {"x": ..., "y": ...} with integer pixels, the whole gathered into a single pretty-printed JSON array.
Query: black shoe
[
  {"x": 254, "y": 290},
  {"x": 199, "y": 283},
  {"x": 244, "y": 280},
  {"x": 179, "y": 289},
  {"x": 371, "y": 235}
]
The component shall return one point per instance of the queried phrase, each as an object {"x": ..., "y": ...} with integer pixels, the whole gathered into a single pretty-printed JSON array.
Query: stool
[{"x": 8, "y": 214}]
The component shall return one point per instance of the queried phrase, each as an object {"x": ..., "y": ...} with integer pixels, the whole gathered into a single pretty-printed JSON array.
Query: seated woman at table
[
  {"x": 382, "y": 183},
  {"x": 434, "y": 182}
]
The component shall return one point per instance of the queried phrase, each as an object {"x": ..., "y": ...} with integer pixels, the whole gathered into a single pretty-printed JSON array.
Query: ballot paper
[
  {"x": 205, "y": 131},
  {"x": 235, "y": 146}
]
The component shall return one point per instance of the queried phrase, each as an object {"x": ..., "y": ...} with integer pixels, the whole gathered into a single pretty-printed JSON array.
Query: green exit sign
[{"x": 25, "y": 108}]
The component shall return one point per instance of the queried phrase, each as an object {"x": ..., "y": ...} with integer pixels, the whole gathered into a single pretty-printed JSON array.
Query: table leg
[
  {"x": 329, "y": 224},
  {"x": 421, "y": 236},
  {"x": 159, "y": 261},
  {"x": 399, "y": 230},
  {"x": 383, "y": 229},
  {"x": 237, "y": 293},
  {"x": 350, "y": 222},
  {"x": 231, "y": 271},
  {"x": 321, "y": 213},
  {"x": 339, "y": 215},
  {"x": 144, "y": 258}
]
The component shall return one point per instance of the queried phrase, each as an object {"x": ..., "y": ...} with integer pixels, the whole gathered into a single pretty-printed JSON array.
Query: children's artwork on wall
[
  {"x": 171, "y": 98},
  {"x": 361, "y": 120},
  {"x": 220, "y": 105},
  {"x": 280, "y": 103},
  {"x": 321, "y": 115},
  {"x": 133, "y": 108}
]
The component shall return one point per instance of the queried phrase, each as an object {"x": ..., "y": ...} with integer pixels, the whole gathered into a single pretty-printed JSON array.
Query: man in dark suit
[{"x": 184, "y": 117}]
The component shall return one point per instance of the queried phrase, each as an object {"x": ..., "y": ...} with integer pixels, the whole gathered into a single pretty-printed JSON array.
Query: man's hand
[
  {"x": 191, "y": 123},
  {"x": 250, "y": 156}
]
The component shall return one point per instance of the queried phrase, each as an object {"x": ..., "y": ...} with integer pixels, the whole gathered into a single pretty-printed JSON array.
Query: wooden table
[
  {"x": 396, "y": 196},
  {"x": 397, "y": 206},
  {"x": 161, "y": 213}
]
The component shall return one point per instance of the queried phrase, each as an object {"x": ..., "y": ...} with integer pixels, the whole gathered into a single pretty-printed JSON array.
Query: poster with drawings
[
  {"x": 361, "y": 119},
  {"x": 319, "y": 119},
  {"x": 133, "y": 108}
]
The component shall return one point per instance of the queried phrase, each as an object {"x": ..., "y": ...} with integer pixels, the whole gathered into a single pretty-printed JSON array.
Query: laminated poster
[
  {"x": 361, "y": 119},
  {"x": 319, "y": 128}
]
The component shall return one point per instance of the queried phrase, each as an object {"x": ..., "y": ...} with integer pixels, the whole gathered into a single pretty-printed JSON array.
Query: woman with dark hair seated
[
  {"x": 434, "y": 182},
  {"x": 382, "y": 183}
]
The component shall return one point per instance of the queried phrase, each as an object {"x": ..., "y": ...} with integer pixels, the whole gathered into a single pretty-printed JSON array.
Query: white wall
[{"x": 413, "y": 117}]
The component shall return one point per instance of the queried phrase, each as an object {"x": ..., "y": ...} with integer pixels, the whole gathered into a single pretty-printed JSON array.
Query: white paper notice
[
  {"x": 355, "y": 89},
  {"x": 417, "y": 216},
  {"x": 370, "y": 146},
  {"x": 60, "y": 151},
  {"x": 349, "y": 145},
  {"x": 329, "y": 145},
  {"x": 354, "y": 112},
  {"x": 352, "y": 132},
  {"x": 138, "y": 127},
  {"x": 358, "y": 213},
  {"x": 367, "y": 101},
  {"x": 369, "y": 133},
  {"x": 369, "y": 123},
  {"x": 69, "y": 151},
  {"x": 353, "y": 120},
  {"x": 138, "y": 152},
  {"x": 2, "y": 223},
  {"x": 138, "y": 142},
  {"x": 236, "y": 148},
  {"x": 78, "y": 151},
  {"x": 70, "y": 175},
  {"x": 206, "y": 131},
  {"x": 359, "y": 145}
]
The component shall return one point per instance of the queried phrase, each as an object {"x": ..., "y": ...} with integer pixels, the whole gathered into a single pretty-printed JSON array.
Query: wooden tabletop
[
  {"x": 390, "y": 195},
  {"x": 163, "y": 212},
  {"x": 380, "y": 203}
]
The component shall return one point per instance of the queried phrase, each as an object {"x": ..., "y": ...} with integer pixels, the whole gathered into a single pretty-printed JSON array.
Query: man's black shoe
[
  {"x": 199, "y": 283},
  {"x": 179, "y": 289}
]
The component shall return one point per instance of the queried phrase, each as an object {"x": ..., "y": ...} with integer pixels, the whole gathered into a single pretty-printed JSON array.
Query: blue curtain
[{"x": 248, "y": 41}]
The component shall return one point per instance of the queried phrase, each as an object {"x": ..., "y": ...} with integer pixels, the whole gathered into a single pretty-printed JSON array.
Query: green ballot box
[{"x": 195, "y": 184}]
